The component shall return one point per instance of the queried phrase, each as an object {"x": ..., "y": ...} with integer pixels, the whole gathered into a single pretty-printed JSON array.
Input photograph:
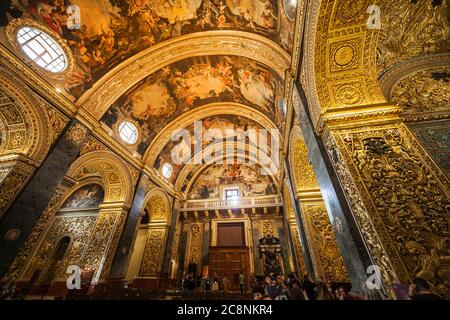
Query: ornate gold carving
[
  {"x": 410, "y": 29},
  {"x": 158, "y": 210},
  {"x": 106, "y": 225},
  {"x": 195, "y": 243},
  {"x": 77, "y": 228},
  {"x": 14, "y": 174},
  {"x": 424, "y": 91},
  {"x": 407, "y": 200},
  {"x": 152, "y": 253},
  {"x": 267, "y": 228},
  {"x": 324, "y": 249},
  {"x": 117, "y": 179},
  {"x": 303, "y": 173}
]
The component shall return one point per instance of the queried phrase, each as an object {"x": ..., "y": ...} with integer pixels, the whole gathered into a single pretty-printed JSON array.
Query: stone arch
[
  {"x": 199, "y": 113},
  {"x": 218, "y": 42},
  {"x": 24, "y": 126},
  {"x": 149, "y": 246},
  {"x": 24, "y": 137},
  {"x": 113, "y": 171},
  {"x": 159, "y": 204},
  {"x": 302, "y": 172}
]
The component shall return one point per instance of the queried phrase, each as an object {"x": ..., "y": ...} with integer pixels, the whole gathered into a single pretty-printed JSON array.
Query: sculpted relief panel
[
  {"x": 152, "y": 253},
  {"x": 327, "y": 258},
  {"x": 424, "y": 91},
  {"x": 406, "y": 201},
  {"x": 410, "y": 29}
]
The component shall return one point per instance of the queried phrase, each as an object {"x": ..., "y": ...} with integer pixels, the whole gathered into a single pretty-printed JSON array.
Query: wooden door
[{"x": 229, "y": 261}]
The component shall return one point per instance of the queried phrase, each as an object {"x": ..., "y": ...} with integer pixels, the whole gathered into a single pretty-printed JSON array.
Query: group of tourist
[
  {"x": 280, "y": 287},
  {"x": 208, "y": 283}
]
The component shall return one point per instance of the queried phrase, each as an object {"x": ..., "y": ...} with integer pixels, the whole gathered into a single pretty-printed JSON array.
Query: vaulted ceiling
[{"x": 162, "y": 65}]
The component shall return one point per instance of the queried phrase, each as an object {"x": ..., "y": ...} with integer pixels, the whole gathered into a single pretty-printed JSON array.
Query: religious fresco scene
[
  {"x": 165, "y": 95},
  {"x": 178, "y": 152},
  {"x": 252, "y": 179},
  {"x": 230, "y": 150},
  {"x": 112, "y": 31},
  {"x": 88, "y": 196}
]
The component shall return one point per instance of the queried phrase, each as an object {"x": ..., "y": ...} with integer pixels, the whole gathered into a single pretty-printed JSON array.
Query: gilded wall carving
[
  {"x": 407, "y": 200},
  {"x": 100, "y": 241},
  {"x": 152, "y": 253},
  {"x": 267, "y": 228},
  {"x": 327, "y": 258},
  {"x": 17, "y": 267},
  {"x": 345, "y": 56},
  {"x": 303, "y": 171},
  {"x": 78, "y": 229},
  {"x": 410, "y": 29},
  {"x": 12, "y": 177},
  {"x": 195, "y": 243},
  {"x": 158, "y": 210},
  {"x": 424, "y": 91}
]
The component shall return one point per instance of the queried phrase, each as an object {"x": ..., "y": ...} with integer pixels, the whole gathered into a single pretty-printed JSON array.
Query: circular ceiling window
[
  {"x": 166, "y": 170},
  {"x": 128, "y": 132},
  {"x": 42, "y": 49},
  {"x": 290, "y": 8}
]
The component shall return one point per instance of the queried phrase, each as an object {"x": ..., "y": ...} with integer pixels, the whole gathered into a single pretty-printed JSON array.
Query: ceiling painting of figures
[
  {"x": 214, "y": 130},
  {"x": 251, "y": 179},
  {"x": 111, "y": 31},
  {"x": 170, "y": 92}
]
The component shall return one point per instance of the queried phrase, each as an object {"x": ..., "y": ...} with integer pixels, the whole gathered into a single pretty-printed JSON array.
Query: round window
[
  {"x": 166, "y": 170},
  {"x": 128, "y": 132},
  {"x": 42, "y": 49},
  {"x": 290, "y": 8}
]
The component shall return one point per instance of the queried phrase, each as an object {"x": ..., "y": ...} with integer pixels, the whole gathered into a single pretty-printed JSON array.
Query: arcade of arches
[{"x": 99, "y": 102}]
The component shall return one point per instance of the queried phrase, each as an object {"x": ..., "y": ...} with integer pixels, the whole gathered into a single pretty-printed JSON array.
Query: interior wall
[{"x": 138, "y": 253}]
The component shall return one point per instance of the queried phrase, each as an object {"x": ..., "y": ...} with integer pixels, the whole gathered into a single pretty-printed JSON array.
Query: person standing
[
  {"x": 225, "y": 283},
  {"x": 310, "y": 287},
  {"x": 241, "y": 282}
]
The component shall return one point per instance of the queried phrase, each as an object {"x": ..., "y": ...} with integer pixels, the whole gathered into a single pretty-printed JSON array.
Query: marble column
[
  {"x": 124, "y": 248},
  {"x": 18, "y": 222},
  {"x": 170, "y": 241},
  {"x": 299, "y": 220},
  {"x": 351, "y": 244},
  {"x": 206, "y": 242},
  {"x": 182, "y": 248}
]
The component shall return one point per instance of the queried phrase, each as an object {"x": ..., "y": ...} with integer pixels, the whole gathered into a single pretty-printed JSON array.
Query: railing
[{"x": 191, "y": 205}]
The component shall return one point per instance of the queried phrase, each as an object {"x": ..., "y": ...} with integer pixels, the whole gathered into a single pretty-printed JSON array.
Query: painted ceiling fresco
[
  {"x": 182, "y": 86},
  {"x": 88, "y": 196},
  {"x": 220, "y": 124},
  {"x": 251, "y": 180},
  {"x": 114, "y": 30}
]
